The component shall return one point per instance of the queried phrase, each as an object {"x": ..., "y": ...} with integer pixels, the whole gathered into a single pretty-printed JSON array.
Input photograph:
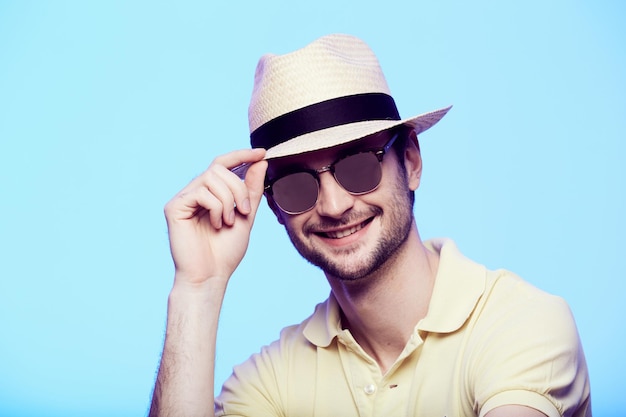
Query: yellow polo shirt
[{"x": 489, "y": 339}]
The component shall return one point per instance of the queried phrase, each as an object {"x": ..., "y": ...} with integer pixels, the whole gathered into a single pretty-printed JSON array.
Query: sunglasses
[{"x": 297, "y": 191}]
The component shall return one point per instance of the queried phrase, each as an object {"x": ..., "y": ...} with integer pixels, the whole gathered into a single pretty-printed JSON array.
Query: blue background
[{"x": 108, "y": 108}]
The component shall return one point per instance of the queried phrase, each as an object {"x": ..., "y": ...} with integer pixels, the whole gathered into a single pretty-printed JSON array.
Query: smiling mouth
[{"x": 338, "y": 234}]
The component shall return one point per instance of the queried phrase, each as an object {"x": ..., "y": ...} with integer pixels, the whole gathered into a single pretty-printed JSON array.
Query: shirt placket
[
  {"x": 376, "y": 394},
  {"x": 362, "y": 372}
]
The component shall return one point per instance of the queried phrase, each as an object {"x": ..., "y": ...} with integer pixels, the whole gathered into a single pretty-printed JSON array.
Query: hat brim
[{"x": 338, "y": 135}]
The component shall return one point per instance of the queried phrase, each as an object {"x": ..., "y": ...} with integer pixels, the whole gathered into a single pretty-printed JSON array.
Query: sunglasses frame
[{"x": 379, "y": 153}]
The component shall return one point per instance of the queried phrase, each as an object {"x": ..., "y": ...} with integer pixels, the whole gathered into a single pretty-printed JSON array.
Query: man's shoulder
[
  {"x": 498, "y": 285},
  {"x": 508, "y": 287},
  {"x": 291, "y": 352},
  {"x": 494, "y": 294},
  {"x": 514, "y": 309}
]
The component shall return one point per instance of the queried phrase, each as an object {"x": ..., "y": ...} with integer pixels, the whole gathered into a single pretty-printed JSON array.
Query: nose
[{"x": 333, "y": 201}]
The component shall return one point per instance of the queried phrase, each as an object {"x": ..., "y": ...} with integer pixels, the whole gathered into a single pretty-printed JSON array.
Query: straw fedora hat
[{"x": 330, "y": 92}]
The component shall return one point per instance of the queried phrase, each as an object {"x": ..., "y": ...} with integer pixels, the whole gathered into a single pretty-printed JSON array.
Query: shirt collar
[
  {"x": 324, "y": 324},
  {"x": 459, "y": 284}
]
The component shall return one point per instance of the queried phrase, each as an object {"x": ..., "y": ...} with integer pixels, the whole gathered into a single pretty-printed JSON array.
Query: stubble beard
[{"x": 347, "y": 265}]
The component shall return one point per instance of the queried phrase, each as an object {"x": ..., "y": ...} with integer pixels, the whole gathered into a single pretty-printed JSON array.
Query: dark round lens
[
  {"x": 359, "y": 173},
  {"x": 295, "y": 193}
]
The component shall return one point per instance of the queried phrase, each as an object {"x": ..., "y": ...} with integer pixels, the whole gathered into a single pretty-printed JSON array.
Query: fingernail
[
  {"x": 231, "y": 217},
  {"x": 246, "y": 205}
]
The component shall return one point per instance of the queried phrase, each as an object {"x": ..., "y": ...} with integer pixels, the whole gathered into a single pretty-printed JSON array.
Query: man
[{"x": 411, "y": 328}]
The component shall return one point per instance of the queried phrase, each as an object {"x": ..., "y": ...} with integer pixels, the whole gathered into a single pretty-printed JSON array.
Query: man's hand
[
  {"x": 209, "y": 224},
  {"x": 210, "y": 220}
]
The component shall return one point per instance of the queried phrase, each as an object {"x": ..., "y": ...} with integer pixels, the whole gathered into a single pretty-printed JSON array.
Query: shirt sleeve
[
  {"x": 530, "y": 354},
  {"x": 271, "y": 383},
  {"x": 251, "y": 390}
]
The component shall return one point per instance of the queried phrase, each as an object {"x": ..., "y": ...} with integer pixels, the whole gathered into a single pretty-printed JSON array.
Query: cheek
[
  {"x": 280, "y": 216},
  {"x": 293, "y": 223},
  {"x": 397, "y": 178}
]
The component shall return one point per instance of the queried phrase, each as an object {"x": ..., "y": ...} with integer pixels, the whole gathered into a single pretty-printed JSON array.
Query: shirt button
[{"x": 370, "y": 389}]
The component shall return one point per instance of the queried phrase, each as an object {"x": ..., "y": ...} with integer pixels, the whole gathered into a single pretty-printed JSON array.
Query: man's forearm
[{"x": 185, "y": 381}]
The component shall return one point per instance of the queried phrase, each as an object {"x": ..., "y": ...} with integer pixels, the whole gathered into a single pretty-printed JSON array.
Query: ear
[
  {"x": 277, "y": 212},
  {"x": 413, "y": 161}
]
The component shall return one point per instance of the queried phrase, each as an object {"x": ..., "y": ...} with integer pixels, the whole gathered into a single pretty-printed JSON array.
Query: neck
[{"x": 382, "y": 310}]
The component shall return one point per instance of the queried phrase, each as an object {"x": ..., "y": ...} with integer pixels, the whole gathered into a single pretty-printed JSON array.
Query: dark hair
[
  {"x": 402, "y": 142},
  {"x": 400, "y": 146}
]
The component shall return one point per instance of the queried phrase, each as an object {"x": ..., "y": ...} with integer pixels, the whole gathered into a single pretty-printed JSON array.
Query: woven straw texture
[{"x": 330, "y": 67}]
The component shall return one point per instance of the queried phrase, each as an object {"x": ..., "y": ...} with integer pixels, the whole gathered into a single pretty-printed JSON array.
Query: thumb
[{"x": 255, "y": 182}]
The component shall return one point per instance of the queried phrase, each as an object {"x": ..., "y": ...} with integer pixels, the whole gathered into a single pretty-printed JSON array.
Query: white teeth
[{"x": 344, "y": 233}]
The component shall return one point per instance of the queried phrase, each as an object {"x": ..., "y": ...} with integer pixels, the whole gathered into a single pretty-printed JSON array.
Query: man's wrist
[{"x": 207, "y": 290}]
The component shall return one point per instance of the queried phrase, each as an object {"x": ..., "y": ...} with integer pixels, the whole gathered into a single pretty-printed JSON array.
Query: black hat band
[{"x": 334, "y": 112}]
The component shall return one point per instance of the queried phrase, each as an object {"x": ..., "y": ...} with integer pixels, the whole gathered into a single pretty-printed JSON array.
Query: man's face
[{"x": 350, "y": 236}]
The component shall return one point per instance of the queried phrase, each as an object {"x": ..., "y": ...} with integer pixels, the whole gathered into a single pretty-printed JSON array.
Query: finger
[
  {"x": 227, "y": 161},
  {"x": 236, "y": 158},
  {"x": 195, "y": 203},
  {"x": 241, "y": 191},
  {"x": 211, "y": 205},
  {"x": 227, "y": 190},
  {"x": 221, "y": 184}
]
